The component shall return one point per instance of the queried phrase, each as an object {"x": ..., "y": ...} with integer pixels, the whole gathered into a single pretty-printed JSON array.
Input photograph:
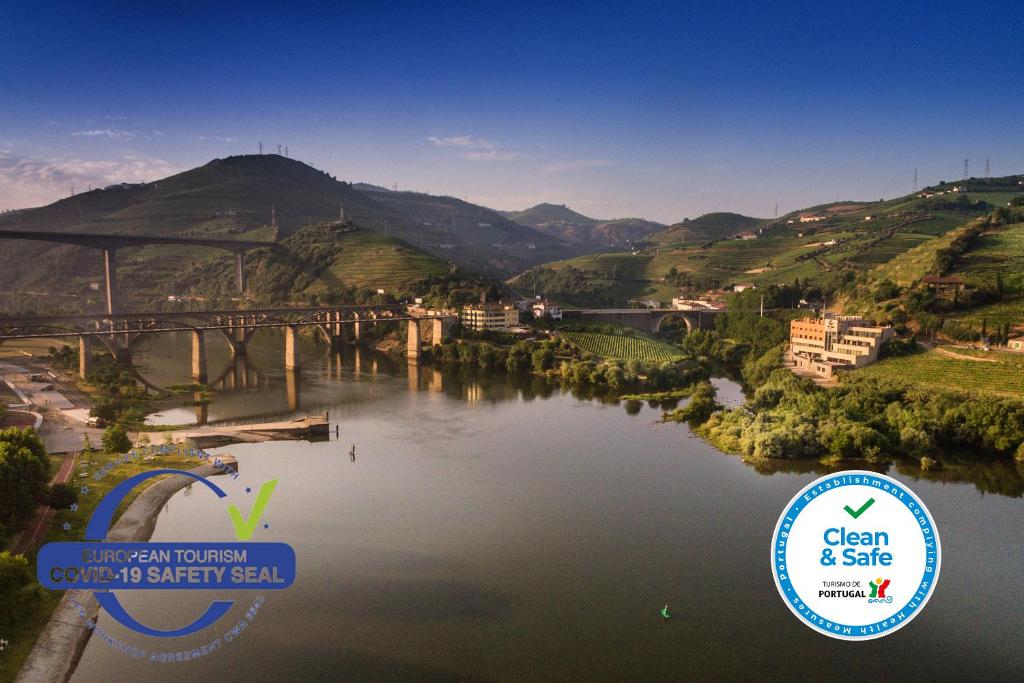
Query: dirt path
[
  {"x": 953, "y": 354},
  {"x": 32, "y": 536}
]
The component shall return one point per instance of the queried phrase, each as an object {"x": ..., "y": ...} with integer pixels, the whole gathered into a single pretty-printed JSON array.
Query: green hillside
[
  {"x": 542, "y": 214},
  {"x": 263, "y": 197},
  {"x": 710, "y": 226},
  {"x": 896, "y": 239},
  {"x": 334, "y": 262}
]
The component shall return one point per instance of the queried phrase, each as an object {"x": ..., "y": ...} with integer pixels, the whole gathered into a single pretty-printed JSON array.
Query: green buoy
[{"x": 665, "y": 612}]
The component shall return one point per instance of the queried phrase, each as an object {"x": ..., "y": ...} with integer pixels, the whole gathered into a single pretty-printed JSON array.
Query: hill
[
  {"x": 336, "y": 262},
  {"x": 710, "y": 226},
  {"x": 263, "y": 197},
  {"x": 476, "y": 237},
  {"x": 582, "y": 233},
  {"x": 832, "y": 245}
]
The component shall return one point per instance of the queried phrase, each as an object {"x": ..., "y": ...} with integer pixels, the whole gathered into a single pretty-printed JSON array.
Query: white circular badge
[{"x": 855, "y": 555}]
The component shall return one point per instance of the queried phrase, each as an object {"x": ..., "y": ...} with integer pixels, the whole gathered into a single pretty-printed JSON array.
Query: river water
[{"x": 488, "y": 531}]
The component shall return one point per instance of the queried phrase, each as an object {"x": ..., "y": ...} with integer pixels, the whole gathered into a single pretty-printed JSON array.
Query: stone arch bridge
[{"x": 645, "y": 319}]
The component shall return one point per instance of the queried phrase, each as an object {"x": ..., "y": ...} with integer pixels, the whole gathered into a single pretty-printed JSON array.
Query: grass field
[
  {"x": 935, "y": 370},
  {"x": 370, "y": 260},
  {"x": 625, "y": 346}
]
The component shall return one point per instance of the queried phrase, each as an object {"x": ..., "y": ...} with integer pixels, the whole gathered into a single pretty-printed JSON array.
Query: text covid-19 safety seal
[{"x": 856, "y": 555}]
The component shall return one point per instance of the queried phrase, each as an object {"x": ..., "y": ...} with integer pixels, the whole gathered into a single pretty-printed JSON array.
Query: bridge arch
[{"x": 690, "y": 324}]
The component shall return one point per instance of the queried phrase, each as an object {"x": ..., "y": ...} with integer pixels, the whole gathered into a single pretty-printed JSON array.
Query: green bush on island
[
  {"x": 700, "y": 407},
  {"x": 791, "y": 417}
]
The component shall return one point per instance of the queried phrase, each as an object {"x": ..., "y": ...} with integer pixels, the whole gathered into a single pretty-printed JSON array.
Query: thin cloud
[
  {"x": 26, "y": 181},
  {"x": 216, "y": 138},
  {"x": 576, "y": 165},
  {"x": 476, "y": 148},
  {"x": 112, "y": 133},
  {"x": 466, "y": 141},
  {"x": 492, "y": 155}
]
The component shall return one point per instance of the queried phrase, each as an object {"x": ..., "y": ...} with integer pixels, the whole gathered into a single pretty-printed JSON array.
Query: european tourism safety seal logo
[
  {"x": 105, "y": 566},
  {"x": 856, "y": 555}
]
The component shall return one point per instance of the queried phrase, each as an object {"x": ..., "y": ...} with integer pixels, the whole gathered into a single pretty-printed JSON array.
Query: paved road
[{"x": 32, "y": 536}]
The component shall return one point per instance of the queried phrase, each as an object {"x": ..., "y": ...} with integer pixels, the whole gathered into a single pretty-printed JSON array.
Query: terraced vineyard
[
  {"x": 634, "y": 346},
  {"x": 933, "y": 369}
]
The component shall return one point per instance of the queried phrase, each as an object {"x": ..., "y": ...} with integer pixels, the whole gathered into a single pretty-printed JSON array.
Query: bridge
[
  {"x": 117, "y": 333},
  {"x": 645, "y": 319},
  {"x": 109, "y": 244}
]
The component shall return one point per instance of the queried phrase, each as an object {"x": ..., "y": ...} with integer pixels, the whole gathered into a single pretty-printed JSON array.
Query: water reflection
[{"x": 256, "y": 386}]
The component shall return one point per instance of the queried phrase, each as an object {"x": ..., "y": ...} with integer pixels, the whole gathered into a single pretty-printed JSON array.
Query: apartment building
[
  {"x": 491, "y": 316},
  {"x": 833, "y": 342}
]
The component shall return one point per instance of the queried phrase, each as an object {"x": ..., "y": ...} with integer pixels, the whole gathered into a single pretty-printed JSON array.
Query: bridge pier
[
  {"x": 240, "y": 271},
  {"x": 198, "y": 357},
  {"x": 291, "y": 347},
  {"x": 291, "y": 385},
  {"x": 110, "y": 279},
  {"x": 413, "y": 341},
  {"x": 84, "y": 358},
  {"x": 357, "y": 329}
]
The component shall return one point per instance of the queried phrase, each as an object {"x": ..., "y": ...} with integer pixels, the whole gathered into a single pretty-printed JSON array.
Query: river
[{"x": 487, "y": 531}]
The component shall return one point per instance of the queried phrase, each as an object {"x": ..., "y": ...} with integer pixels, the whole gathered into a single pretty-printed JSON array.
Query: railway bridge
[{"x": 117, "y": 333}]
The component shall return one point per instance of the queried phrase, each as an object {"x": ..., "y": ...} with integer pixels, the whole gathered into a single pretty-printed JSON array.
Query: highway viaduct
[{"x": 109, "y": 244}]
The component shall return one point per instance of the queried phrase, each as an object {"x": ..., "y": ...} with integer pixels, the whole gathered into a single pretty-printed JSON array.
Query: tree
[
  {"x": 115, "y": 440},
  {"x": 15, "y": 577},
  {"x": 24, "y": 471}
]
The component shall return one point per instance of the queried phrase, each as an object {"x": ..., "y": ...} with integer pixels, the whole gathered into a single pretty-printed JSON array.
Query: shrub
[
  {"x": 62, "y": 496},
  {"x": 115, "y": 440}
]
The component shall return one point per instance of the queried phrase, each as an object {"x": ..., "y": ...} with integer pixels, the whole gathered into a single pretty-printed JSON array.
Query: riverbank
[{"x": 59, "y": 647}]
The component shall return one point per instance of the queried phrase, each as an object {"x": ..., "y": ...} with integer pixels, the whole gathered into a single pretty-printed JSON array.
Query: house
[
  {"x": 1016, "y": 344},
  {"x": 543, "y": 307},
  {"x": 490, "y": 316},
  {"x": 813, "y": 218},
  {"x": 944, "y": 285},
  {"x": 834, "y": 342},
  {"x": 743, "y": 287},
  {"x": 681, "y": 304}
]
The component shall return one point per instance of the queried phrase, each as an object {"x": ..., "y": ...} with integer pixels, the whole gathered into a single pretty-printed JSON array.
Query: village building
[
  {"x": 543, "y": 307},
  {"x": 835, "y": 342},
  {"x": 490, "y": 316},
  {"x": 944, "y": 285}
]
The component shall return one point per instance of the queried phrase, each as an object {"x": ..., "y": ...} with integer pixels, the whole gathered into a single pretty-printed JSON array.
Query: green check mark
[
  {"x": 244, "y": 528},
  {"x": 857, "y": 513}
]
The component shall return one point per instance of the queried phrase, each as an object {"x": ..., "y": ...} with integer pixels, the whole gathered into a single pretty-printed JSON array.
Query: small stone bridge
[{"x": 644, "y": 319}]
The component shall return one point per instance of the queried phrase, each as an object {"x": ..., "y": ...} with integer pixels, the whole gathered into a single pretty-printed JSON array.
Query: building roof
[{"x": 943, "y": 280}]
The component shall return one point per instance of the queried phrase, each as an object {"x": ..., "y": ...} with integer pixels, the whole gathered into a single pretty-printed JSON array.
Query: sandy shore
[{"x": 59, "y": 647}]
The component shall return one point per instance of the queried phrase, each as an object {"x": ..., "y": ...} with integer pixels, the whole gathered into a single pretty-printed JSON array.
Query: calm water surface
[{"x": 494, "y": 532}]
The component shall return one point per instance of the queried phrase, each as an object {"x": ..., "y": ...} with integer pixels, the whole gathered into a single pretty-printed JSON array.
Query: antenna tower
[
  {"x": 965, "y": 168},
  {"x": 261, "y": 146},
  {"x": 988, "y": 168},
  {"x": 915, "y": 180}
]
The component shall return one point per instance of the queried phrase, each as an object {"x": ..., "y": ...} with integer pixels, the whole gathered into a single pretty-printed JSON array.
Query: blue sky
[{"x": 659, "y": 110}]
